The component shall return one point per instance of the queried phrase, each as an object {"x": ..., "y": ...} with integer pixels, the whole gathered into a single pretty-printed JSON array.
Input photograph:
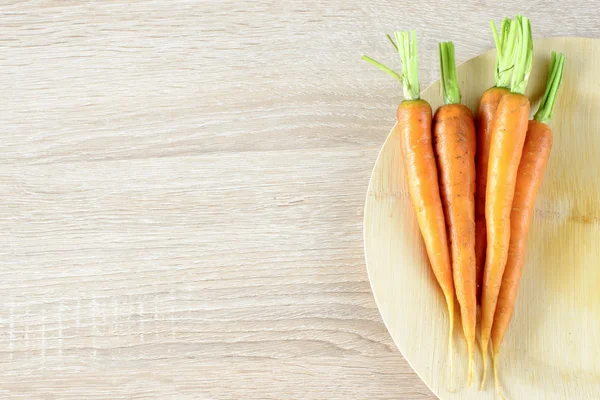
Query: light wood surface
[
  {"x": 182, "y": 187},
  {"x": 550, "y": 350}
]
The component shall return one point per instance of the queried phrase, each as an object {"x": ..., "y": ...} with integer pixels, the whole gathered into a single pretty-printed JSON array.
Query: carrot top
[
  {"x": 506, "y": 51},
  {"x": 544, "y": 113},
  {"x": 524, "y": 57},
  {"x": 405, "y": 44},
  {"x": 448, "y": 69}
]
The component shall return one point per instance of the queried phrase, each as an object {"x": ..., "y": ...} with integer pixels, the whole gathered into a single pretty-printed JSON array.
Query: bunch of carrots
[{"x": 473, "y": 180}]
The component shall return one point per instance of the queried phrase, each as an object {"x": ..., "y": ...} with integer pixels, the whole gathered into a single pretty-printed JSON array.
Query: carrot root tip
[
  {"x": 471, "y": 367},
  {"x": 496, "y": 378},
  {"x": 451, "y": 387},
  {"x": 482, "y": 387}
]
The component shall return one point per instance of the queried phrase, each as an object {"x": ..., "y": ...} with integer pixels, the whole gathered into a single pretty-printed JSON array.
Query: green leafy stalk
[
  {"x": 555, "y": 74},
  {"x": 406, "y": 44},
  {"x": 392, "y": 41},
  {"x": 448, "y": 69},
  {"x": 382, "y": 67},
  {"x": 524, "y": 59},
  {"x": 506, "y": 51}
]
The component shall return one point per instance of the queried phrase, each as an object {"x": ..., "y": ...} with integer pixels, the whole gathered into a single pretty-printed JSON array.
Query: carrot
[
  {"x": 509, "y": 127},
  {"x": 454, "y": 145},
  {"x": 414, "y": 125},
  {"x": 536, "y": 152},
  {"x": 505, "y": 59}
]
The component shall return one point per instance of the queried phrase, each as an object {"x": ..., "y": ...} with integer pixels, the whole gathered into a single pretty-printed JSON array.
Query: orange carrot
[
  {"x": 505, "y": 59},
  {"x": 454, "y": 140},
  {"x": 536, "y": 152},
  {"x": 414, "y": 125},
  {"x": 487, "y": 109},
  {"x": 507, "y": 138}
]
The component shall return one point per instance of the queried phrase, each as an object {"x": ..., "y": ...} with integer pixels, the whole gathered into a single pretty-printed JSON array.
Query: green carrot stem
[
  {"x": 406, "y": 44},
  {"x": 524, "y": 58},
  {"x": 382, "y": 67},
  {"x": 555, "y": 74},
  {"x": 506, "y": 51},
  {"x": 392, "y": 41},
  {"x": 448, "y": 69}
]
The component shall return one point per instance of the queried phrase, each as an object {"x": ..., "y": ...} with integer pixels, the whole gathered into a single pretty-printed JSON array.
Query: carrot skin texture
[
  {"x": 414, "y": 124},
  {"x": 485, "y": 114},
  {"x": 509, "y": 128},
  {"x": 454, "y": 139},
  {"x": 536, "y": 152}
]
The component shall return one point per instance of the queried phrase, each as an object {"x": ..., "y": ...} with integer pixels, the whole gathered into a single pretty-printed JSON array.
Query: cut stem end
[
  {"x": 524, "y": 57},
  {"x": 555, "y": 74},
  {"x": 448, "y": 70},
  {"x": 506, "y": 51}
]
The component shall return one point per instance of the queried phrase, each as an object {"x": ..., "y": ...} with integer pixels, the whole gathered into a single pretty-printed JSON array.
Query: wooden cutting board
[{"x": 552, "y": 348}]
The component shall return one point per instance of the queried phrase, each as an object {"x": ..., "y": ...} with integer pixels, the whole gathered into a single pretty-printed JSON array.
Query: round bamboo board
[{"x": 552, "y": 348}]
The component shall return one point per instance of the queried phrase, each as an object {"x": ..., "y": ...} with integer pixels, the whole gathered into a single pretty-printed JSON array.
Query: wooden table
[{"x": 182, "y": 188}]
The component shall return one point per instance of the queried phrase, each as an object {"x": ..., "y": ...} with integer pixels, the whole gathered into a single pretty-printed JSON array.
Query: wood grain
[
  {"x": 182, "y": 188},
  {"x": 547, "y": 352}
]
